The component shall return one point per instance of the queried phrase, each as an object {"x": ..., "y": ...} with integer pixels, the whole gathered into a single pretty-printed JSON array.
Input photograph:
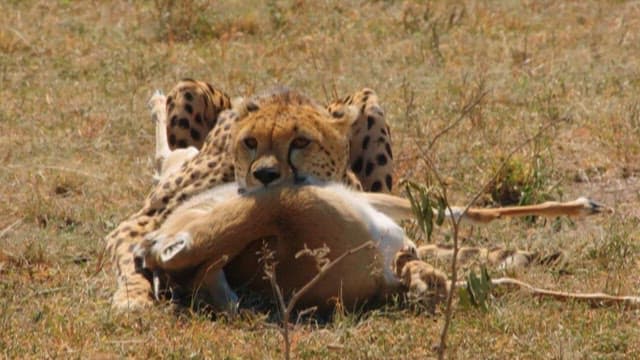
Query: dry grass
[{"x": 76, "y": 158}]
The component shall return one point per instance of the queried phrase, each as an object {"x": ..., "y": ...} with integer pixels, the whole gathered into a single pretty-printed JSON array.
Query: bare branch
[
  {"x": 286, "y": 310},
  {"x": 455, "y": 222},
  {"x": 320, "y": 275},
  {"x": 466, "y": 110}
]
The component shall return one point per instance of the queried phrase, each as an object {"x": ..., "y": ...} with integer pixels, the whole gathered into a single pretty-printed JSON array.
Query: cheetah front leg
[
  {"x": 192, "y": 238},
  {"x": 206, "y": 236}
]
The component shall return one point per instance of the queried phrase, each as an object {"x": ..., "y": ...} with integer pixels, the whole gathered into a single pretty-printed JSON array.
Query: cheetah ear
[
  {"x": 344, "y": 118},
  {"x": 243, "y": 106}
]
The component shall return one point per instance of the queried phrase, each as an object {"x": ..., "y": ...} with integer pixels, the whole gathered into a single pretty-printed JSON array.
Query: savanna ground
[{"x": 76, "y": 158}]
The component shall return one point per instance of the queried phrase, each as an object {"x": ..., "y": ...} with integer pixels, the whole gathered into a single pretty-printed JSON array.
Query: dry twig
[
  {"x": 466, "y": 110},
  {"x": 287, "y": 308}
]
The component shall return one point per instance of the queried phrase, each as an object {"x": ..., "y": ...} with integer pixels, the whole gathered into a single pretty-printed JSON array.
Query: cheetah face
[{"x": 289, "y": 142}]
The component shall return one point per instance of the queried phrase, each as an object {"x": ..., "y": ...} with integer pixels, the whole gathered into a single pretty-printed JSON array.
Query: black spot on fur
[
  {"x": 165, "y": 199},
  {"x": 369, "y": 168},
  {"x": 357, "y": 165},
  {"x": 152, "y": 212},
  {"x": 134, "y": 233},
  {"x": 337, "y": 114},
  {"x": 376, "y": 186},
  {"x": 388, "y": 148},
  {"x": 365, "y": 142},
  {"x": 182, "y": 143},
  {"x": 370, "y": 121},
  {"x": 195, "y": 135},
  {"x": 178, "y": 181},
  {"x": 183, "y": 123},
  {"x": 383, "y": 131},
  {"x": 188, "y": 96},
  {"x": 172, "y": 140},
  {"x": 189, "y": 108},
  {"x": 389, "y": 181},
  {"x": 251, "y": 107},
  {"x": 365, "y": 98},
  {"x": 198, "y": 118},
  {"x": 170, "y": 100},
  {"x": 381, "y": 159},
  {"x": 143, "y": 222},
  {"x": 174, "y": 121},
  {"x": 195, "y": 175},
  {"x": 212, "y": 164}
]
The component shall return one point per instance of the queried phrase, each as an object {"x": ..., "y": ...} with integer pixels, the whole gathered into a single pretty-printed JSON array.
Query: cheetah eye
[
  {"x": 251, "y": 143},
  {"x": 300, "y": 143}
]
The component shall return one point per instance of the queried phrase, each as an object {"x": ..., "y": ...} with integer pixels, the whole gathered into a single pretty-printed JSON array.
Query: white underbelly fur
[{"x": 384, "y": 232}]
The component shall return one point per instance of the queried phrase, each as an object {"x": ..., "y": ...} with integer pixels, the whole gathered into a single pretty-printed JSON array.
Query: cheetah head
[{"x": 286, "y": 137}]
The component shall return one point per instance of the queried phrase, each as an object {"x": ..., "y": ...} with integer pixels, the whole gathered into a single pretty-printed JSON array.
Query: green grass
[{"x": 76, "y": 158}]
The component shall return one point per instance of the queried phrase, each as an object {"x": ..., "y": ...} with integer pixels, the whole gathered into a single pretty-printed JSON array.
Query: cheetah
[
  {"x": 283, "y": 145},
  {"x": 308, "y": 145},
  {"x": 199, "y": 115},
  {"x": 219, "y": 225}
]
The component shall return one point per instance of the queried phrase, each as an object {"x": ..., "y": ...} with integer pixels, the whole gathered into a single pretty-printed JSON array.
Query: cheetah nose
[{"x": 266, "y": 175}]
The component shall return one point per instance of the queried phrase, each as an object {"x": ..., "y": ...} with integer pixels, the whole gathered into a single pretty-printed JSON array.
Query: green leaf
[
  {"x": 465, "y": 298},
  {"x": 442, "y": 208},
  {"x": 479, "y": 288}
]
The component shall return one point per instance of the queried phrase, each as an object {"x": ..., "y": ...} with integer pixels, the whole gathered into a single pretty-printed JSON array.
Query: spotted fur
[
  {"x": 200, "y": 115},
  {"x": 278, "y": 135},
  {"x": 370, "y": 156}
]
